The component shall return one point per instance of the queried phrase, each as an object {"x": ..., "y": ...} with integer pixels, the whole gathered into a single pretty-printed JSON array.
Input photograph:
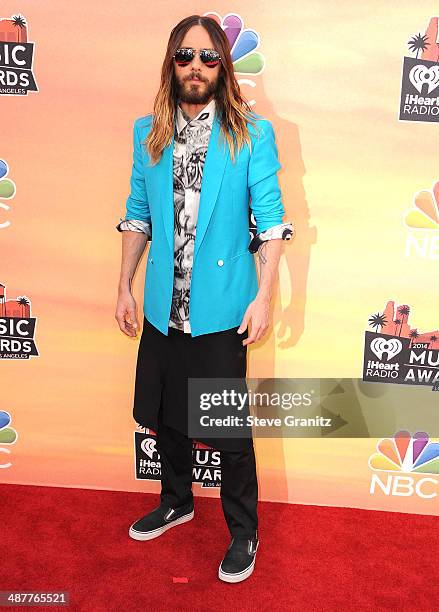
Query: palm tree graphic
[
  {"x": 413, "y": 335},
  {"x": 20, "y": 23},
  {"x": 418, "y": 43},
  {"x": 433, "y": 339},
  {"x": 404, "y": 311},
  {"x": 23, "y": 301},
  {"x": 377, "y": 320},
  {"x": 397, "y": 322}
]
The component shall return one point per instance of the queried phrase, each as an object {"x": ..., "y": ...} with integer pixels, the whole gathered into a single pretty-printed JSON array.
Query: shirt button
[{"x": 220, "y": 262}]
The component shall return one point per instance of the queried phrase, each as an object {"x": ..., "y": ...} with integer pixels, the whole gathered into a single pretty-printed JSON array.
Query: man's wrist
[
  {"x": 263, "y": 295},
  {"x": 125, "y": 286}
]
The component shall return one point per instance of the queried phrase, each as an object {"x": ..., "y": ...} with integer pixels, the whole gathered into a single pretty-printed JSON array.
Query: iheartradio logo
[
  {"x": 390, "y": 347},
  {"x": 149, "y": 447},
  {"x": 419, "y": 99},
  {"x": 420, "y": 75}
]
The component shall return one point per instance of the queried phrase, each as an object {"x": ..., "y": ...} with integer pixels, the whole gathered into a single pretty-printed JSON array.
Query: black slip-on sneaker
[
  {"x": 239, "y": 560},
  {"x": 160, "y": 520}
]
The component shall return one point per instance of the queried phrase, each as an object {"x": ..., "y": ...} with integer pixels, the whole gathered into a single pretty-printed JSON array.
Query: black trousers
[
  {"x": 239, "y": 485},
  {"x": 164, "y": 365}
]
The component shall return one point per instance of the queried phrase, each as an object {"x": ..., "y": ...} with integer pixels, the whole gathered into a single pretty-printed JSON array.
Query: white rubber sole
[
  {"x": 155, "y": 533},
  {"x": 237, "y": 577}
]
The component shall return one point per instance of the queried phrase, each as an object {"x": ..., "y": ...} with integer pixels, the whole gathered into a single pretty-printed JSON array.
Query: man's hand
[
  {"x": 126, "y": 313},
  {"x": 258, "y": 313}
]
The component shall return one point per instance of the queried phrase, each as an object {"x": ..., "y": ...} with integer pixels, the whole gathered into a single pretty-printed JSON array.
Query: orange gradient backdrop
[{"x": 331, "y": 86}]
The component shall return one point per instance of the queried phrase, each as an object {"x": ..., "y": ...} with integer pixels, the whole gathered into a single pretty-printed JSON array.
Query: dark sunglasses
[{"x": 185, "y": 55}]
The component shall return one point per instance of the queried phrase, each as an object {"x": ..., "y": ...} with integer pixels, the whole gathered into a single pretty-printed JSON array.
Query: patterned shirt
[
  {"x": 190, "y": 147},
  {"x": 191, "y": 139}
]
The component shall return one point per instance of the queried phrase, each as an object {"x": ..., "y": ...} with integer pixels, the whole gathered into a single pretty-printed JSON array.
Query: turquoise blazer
[{"x": 224, "y": 278}]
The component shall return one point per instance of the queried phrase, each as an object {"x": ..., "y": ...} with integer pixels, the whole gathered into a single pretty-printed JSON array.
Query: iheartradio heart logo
[
  {"x": 149, "y": 447},
  {"x": 420, "y": 74},
  {"x": 392, "y": 347}
]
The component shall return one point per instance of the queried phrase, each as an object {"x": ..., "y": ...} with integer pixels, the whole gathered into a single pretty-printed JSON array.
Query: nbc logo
[
  {"x": 243, "y": 44},
  {"x": 8, "y": 435},
  {"x": 7, "y": 190},
  {"x": 406, "y": 454},
  {"x": 423, "y": 222}
]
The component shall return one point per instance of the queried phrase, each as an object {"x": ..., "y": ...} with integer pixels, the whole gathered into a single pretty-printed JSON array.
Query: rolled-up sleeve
[
  {"x": 283, "y": 231},
  {"x": 135, "y": 225},
  {"x": 266, "y": 199},
  {"x": 137, "y": 206}
]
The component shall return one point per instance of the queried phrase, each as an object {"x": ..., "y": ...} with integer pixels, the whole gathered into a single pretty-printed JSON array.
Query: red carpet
[{"x": 310, "y": 557}]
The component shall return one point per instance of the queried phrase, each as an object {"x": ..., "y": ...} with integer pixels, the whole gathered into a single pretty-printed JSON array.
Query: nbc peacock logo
[
  {"x": 244, "y": 42},
  {"x": 422, "y": 221},
  {"x": 7, "y": 190},
  {"x": 399, "y": 459},
  {"x": 8, "y": 436},
  {"x": 424, "y": 213}
]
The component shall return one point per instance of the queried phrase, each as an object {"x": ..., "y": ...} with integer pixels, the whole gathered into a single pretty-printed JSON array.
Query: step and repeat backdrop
[{"x": 352, "y": 92}]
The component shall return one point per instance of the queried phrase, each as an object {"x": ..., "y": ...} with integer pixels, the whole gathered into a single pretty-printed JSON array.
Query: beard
[{"x": 192, "y": 93}]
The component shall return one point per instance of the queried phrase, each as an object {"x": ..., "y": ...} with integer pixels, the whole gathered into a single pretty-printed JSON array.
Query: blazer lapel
[
  {"x": 166, "y": 177},
  {"x": 213, "y": 171}
]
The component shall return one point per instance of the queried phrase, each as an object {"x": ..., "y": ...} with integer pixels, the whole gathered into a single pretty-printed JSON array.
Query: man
[{"x": 201, "y": 287}]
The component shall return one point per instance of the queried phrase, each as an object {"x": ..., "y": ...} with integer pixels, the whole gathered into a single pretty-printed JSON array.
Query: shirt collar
[{"x": 205, "y": 116}]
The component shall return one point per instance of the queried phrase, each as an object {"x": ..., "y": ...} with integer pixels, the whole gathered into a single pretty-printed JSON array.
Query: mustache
[{"x": 192, "y": 76}]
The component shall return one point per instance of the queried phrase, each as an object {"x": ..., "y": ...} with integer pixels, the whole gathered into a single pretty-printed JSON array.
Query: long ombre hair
[{"x": 233, "y": 111}]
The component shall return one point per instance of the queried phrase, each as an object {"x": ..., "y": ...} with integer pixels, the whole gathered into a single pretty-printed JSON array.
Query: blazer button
[{"x": 220, "y": 262}]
